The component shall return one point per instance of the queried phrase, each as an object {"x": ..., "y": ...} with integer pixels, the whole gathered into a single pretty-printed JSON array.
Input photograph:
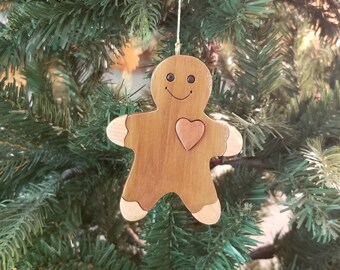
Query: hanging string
[{"x": 178, "y": 44}]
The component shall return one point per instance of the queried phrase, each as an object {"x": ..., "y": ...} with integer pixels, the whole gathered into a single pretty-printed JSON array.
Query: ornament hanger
[{"x": 178, "y": 44}]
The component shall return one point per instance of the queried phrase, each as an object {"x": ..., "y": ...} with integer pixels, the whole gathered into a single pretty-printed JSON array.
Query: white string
[{"x": 178, "y": 44}]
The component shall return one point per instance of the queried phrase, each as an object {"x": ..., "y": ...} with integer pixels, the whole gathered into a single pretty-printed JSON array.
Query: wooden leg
[
  {"x": 209, "y": 214},
  {"x": 131, "y": 211}
]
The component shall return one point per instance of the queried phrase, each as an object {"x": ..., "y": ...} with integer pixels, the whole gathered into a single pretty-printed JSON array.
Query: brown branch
[
  {"x": 265, "y": 252},
  {"x": 246, "y": 161},
  {"x": 135, "y": 237},
  {"x": 71, "y": 173}
]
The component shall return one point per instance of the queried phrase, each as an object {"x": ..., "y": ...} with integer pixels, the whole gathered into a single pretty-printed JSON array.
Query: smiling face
[{"x": 181, "y": 80}]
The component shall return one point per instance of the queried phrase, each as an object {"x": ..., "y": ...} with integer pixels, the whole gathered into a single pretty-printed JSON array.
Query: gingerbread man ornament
[{"x": 173, "y": 145}]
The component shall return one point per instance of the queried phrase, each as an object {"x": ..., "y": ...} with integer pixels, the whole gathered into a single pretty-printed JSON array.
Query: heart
[{"x": 189, "y": 132}]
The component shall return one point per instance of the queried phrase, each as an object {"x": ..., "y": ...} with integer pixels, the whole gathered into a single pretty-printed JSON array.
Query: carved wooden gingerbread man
[{"x": 173, "y": 145}]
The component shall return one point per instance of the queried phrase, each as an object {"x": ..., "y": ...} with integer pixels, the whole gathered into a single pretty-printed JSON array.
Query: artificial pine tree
[{"x": 61, "y": 179}]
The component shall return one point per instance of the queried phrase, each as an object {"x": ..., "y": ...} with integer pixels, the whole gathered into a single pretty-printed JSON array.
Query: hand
[
  {"x": 117, "y": 131},
  {"x": 234, "y": 142}
]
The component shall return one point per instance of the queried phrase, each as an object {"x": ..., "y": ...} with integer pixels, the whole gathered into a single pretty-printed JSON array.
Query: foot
[
  {"x": 131, "y": 211},
  {"x": 209, "y": 214}
]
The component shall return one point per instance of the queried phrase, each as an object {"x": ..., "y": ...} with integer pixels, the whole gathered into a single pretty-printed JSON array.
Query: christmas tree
[{"x": 276, "y": 70}]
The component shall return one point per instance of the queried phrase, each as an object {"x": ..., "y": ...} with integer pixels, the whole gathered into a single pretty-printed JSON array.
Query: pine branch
[
  {"x": 54, "y": 96},
  {"x": 78, "y": 253},
  {"x": 61, "y": 24},
  {"x": 261, "y": 130},
  {"x": 229, "y": 19},
  {"x": 135, "y": 237},
  {"x": 20, "y": 165},
  {"x": 288, "y": 25},
  {"x": 23, "y": 153},
  {"x": 23, "y": 218},
  {"x": 250, "y": 162},
  {"x": 12, "y": 55},
  {"x": 311, "y": 196},
  {"x": 320, "y": 117},
  {"x": 265, "y": 252},
  {"x": 171, "y": 232},
  {"x": 306, "y": 253},
  {"x": 143, "y": 16},
  {"x": 259, "y": 64},
  {"x": 71, "y": 173},
  {"x": 324, "y": 165},
  {"x": 228, "y": 242},
  {"x": 164, "y": 232},
  {"x": 241, "y": 186},
  {"x": 324, "y": 15}
]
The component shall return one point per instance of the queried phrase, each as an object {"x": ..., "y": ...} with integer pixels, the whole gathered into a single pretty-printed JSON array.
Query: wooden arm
[
  {"x": 234, "y": 142},
  {"x": 116, "y": 131}
]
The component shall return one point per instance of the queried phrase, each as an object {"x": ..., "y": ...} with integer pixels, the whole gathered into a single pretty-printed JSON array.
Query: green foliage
[
  {"x": 311, "y": 180},
  {"x": 325, "y": 165},
  {"x": 253, "y": 97},
  {"x": 26, "y": 156},
  {"x": 203, "y": 21},
  {"x": 318, "y": 117},
  {"x": 171, "y": 231},
  {"x": 323, "y": 16},
  {"x": 289, "y": 87},
  {"x": 259, "y": 65},
  {"x": 24, "y": 217},
  {"x": 58, "y": 252},
  {"x": 242, "y": 185},
  {"x": 44, "y": 103},
  {"x": 304, "y": 253},
  {"x": 59, "y": 24},
  {"x": 165, "y": 231},
  {"x": 258, "y": 131},
  {"x": 228, "y": 243},
  {"x": 143, "y": 16},
  {"x": 227, "y": 18}
]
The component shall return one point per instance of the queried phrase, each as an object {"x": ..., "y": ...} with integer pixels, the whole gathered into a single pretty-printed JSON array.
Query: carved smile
[{"x": 177, "y": 97}]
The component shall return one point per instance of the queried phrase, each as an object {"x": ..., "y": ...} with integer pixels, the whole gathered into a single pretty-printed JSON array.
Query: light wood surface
[
  {"x": 173, "y": 145},
  {"x": 189, "y": 132},
  {"x": 235, "y": 142},
  {"x": 131, "y": 210},
  {"x": 209, "y": 214},
  {"x": 116, "y": 131}
]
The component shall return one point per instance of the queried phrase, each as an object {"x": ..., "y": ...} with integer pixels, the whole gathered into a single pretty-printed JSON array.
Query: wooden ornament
[
  {"x": 189, "y": 132},
  {"x": 173, "y": 145}
]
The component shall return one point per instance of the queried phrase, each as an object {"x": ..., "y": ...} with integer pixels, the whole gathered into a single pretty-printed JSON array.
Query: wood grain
[
  {"x": 161, "y": 164},
  {"x": 116, "y": 131},
  {"x": 209, "y": 214},
  {"x": 189, "y": 132},
  {"x": 234, "y": 143},
  {"x": 131, "y": 210}
]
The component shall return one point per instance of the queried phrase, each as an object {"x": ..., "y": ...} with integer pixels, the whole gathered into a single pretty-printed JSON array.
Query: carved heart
[{"x": 189, "y": 132}]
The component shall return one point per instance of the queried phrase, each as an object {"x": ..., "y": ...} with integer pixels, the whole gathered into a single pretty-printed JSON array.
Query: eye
[
  {"x": 170, "y": 77},
  {"x": 191, "y": 79}
]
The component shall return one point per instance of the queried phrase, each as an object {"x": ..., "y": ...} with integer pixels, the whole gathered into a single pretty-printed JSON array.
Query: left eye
[
  {"x": 170, "y": 77},
  {"x": 191, "y": 79}
]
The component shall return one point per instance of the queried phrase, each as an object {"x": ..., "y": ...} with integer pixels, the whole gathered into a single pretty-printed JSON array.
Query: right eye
[{"x": 170, "y": 77}]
